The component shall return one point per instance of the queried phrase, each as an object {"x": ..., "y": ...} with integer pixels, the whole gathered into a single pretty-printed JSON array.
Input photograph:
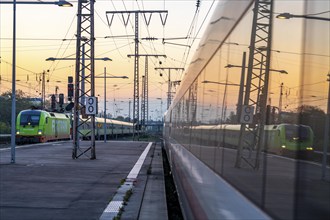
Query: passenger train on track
[
  {"x": 36, "y": 126},
  {"x": 217, "y": 177},
  {"x": 281, "y": 139}
]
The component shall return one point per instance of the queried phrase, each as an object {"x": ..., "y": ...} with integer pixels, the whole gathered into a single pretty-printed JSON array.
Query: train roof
[
  {"x": 49, "y": 114},
  {"x": 111, "y": 121},
  {"x": 101, "y": 120},
  {"x": 238, "y": 126}
]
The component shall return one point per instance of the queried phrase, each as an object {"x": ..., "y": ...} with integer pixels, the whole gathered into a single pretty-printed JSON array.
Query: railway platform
[{"x": 46, "y": 183}]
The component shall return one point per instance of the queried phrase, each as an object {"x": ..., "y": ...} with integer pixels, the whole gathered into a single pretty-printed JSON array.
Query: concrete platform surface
[{"x": 46, "y": 183}]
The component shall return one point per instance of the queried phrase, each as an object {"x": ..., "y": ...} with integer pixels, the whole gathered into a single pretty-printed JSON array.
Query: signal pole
[
  {"x": 43, "y": 89},
  {"x": 169, "y": 87},
  {"x": 136, "y": 57},
  {"x": 280, "y": 101}
]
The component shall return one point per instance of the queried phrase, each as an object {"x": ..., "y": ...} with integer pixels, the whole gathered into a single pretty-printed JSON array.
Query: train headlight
[
  {"x": 17, "y": 132},
  {"x": 309, "y": 148},
  {"x": 39, "y": 131},
  {"x": 283, "y": 146}
]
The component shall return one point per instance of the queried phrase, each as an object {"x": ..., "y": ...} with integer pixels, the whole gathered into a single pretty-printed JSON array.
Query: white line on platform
[
  {"x": 114, "y": 206},
  {"x": 137, "y": 167}
]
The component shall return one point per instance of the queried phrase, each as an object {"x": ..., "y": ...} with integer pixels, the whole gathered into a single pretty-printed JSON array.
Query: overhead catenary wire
[
  {"x": 195, "y": 37},
  {"x": 111, "y": 34},
  {"x": 70, "y": 26}
]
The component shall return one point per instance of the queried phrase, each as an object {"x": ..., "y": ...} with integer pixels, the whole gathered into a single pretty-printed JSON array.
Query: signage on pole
[
  {"x": 247, "y": 114},
  {"x": 91, "y": 106}
]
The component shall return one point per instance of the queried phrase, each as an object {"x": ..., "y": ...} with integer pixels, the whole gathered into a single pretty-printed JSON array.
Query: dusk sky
[
  {"x": 45, "y": 31},
  {"x": 41, "y": 30}
]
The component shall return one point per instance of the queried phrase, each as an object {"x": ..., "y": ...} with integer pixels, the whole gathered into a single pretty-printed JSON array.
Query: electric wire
[
  {"x": 115, "y": 43},
  {"x": 56, "y": 63},
  {"x": 195, "y": 37}
]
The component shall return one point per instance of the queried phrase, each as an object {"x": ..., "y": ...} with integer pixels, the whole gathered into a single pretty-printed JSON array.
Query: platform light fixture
[
  {"x": 288, "y": 16},
  {"x": 105, "y": 95},
  {"x": 61, "y": 3},
  {"x": 58, "y": 3}
]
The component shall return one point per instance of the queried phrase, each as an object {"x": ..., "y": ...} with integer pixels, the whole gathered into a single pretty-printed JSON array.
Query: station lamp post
[
  {"x": 83, "y": 72},
  {"x": 13, "y": 97},
  {"x": 273, "y": 70},
  {"x": 241, "y": 91},
  {"x": 105, "y": 93},
  {"x": 326, "y": 128},
  {"x": 239, "y": 104},
  {"x": 326, "y": 134},
  {"x": 288, "y": 16},
  {"x": 161, "y": 107},
  {"x": 220, "y": 83},
  {"x": 58, "y": 3}
]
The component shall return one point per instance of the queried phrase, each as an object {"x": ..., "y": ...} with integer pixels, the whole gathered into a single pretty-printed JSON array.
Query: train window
[
  {"x": 35, "y": 119},
  {"x": 46, "y": 120},
  {"x": 30, "y": 118},
  {"x": 52, "y": 114},
  {"x": 293, "y": 132}
]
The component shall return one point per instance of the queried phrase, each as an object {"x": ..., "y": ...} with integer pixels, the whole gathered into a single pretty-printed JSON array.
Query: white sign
[
  {"x": 91, "y": 106},
  {"x": 247, "y": 114}
]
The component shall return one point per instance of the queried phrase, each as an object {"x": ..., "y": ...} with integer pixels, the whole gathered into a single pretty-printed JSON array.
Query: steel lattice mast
[
  {"x": 136, "y": 52},
  {"x": 257, "y": 83},
  {"x": 84, "y": 76},
  {"x": 145, "y": 86}
]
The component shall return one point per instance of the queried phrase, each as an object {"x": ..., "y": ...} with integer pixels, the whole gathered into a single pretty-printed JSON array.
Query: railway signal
[
  {"x": 53, "y": 102},
  {"x": 61, "y": 101},
  {"x": 70, "y": 88},
  {"x": 70, "y": 91}
]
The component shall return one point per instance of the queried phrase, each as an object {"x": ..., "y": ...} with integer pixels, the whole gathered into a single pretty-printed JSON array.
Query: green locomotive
[
  {"x": 41, "y": 126},
  {"x": 35, "y": 126},
  {"x": 280, "y": 139}
]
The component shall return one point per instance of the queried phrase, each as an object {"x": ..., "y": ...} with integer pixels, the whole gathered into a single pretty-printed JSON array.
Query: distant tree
[
  {"x": 120, "y": 118},
  {"x": 310, "y": 110},
  {"x": 4, "y": 128},
  {"x": 22, "y": 103},
  {"x": 315, "y": 118},
  {"x": 232, "y": 118},
  {"x": 311, "y": 115}
]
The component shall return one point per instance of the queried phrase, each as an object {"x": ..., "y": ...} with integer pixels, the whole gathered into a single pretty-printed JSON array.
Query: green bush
[{"x": 4, "y": 128}]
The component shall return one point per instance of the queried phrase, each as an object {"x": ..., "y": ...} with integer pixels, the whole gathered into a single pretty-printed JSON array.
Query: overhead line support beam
[{"x": 163, "y": 16}]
